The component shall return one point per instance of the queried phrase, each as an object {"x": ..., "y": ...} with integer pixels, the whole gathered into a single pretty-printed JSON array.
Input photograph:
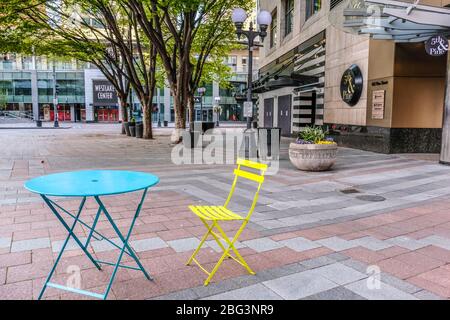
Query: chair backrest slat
[
  {"x": 252, "y": 164},
  {"x": 259, "y": 178},
  {"x": 249, "y": 175}
]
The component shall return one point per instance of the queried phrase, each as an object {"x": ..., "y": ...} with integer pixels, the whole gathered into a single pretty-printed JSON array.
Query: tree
[{"x": 186, "y": 34}]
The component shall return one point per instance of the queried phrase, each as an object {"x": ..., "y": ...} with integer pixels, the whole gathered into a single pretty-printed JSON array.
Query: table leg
[
  {"x": 62, "y": 247},
  {"x": 71, "y": 234},
  {"x": 124, "y": 240}
]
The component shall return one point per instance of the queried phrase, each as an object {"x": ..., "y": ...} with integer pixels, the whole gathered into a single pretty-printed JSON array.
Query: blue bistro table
[{"x": 84, "y": 184}]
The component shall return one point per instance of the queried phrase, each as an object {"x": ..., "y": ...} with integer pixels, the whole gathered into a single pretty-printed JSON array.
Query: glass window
[
  {"x": 22, "y": 87},
  {"x": 288, "y": 16},
  {"x": 312, "y": 6},
  {"x": 273, "y": 29},
  {"x": 45, "y": 87}
]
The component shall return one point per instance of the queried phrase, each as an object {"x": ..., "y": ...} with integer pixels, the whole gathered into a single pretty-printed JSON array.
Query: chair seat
[{"x": 215, "y": 213}]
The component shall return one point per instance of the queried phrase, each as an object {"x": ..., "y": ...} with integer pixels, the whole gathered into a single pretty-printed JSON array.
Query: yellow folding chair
[{"x": 212, "y": 215}]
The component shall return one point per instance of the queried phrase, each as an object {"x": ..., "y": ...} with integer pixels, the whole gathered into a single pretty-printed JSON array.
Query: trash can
[
  {"x": 255, "y": 124},
  {"x": 166, "y": 123},
  {"x": 265, "y": 140},
  {"x": 39, "y": 123},
  {"x": 139, "y": 129}
]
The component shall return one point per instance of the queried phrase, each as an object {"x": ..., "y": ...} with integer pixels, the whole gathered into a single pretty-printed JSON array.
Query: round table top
[{"x": 91, "y": 183}]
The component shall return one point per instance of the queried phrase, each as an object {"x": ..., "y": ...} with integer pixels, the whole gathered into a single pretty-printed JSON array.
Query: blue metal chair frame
[{"x": 125, "y": 248}]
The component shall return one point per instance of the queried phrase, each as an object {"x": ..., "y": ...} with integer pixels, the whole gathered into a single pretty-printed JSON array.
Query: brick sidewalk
[{"x": 312, "y": 236}]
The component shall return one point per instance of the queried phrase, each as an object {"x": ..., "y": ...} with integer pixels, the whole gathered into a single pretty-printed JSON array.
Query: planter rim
[{"x": 294, "y": 145}]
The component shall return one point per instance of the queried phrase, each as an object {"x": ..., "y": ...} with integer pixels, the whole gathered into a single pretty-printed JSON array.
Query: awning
[
  {"x": 277, "y": 82},
  {"x": 392, "y": 20}
]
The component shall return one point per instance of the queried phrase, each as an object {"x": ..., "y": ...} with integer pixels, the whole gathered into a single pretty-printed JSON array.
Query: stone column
[
  {"x": 445, "y": 146},
  {"x": 166, "y": 104}
]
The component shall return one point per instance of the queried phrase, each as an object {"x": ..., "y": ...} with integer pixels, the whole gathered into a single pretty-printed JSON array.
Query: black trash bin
[
  {"x": 39, "y": 123},
  {"x": 267, "y": 131},
  {"x": 166, "y": 123},
  {"x": 139, "y": 129}
]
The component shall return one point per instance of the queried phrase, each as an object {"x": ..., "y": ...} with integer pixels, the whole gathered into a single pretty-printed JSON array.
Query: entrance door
[
  {"x": 284, "y": 114},
  {"x": 268, "y": 112}
]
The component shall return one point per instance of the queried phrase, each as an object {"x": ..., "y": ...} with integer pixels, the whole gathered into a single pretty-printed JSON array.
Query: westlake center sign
[{"x": 104, "y": 93}]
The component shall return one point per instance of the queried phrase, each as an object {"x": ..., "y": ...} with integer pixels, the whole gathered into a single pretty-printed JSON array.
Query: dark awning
[{"x": 277, "y": 82}]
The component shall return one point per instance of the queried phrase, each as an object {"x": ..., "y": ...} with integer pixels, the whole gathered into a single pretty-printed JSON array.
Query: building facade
[
  {"x": 372, "y": 94},
  {"x": 26, "y": 89}
]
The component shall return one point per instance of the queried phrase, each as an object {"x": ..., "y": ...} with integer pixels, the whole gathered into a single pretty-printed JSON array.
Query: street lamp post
[
  {"x": 55, "y": 98},
  {"x": 201, "y": 92},
  {"x": 217, "y": 100},
  {"x": 264, "y": 19}
]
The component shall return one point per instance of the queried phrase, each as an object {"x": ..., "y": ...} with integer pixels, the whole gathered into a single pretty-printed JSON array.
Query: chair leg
[
  {"x": 202, "y": 241},
  {"x": 232, "y": 247},
  {"x": 227, "y": 252}
]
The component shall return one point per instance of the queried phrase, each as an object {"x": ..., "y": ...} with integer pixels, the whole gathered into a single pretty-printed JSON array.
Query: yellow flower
[{"x": 325, "y": 142}]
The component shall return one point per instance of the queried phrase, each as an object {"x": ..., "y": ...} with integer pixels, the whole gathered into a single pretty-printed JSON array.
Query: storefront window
[
  {"x": 312, "y": 6},
  {"x": 22, "y": 87},
  {"x": 288, "y": 16},
  {"x": 273, "y": 29}
]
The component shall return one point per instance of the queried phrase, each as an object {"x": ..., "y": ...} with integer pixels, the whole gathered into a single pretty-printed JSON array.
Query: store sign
[
  {"x": 248, "y": 109},
  {"x": 378, "y": 104},
  {"x": 437, "y": 45},
  {"x": 104, "y": 93},
  {"x": 351, "y": 85}
]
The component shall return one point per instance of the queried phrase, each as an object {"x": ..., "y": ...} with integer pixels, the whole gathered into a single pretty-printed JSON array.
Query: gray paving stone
[
  {"x": 337, "y": 256},
  {"x": 215, "y": 288},
  {"x": 71, "y": 245},
  {"x": 385, "y": 292},
  {"x": 148, "y": 244},
  {"x": 262, "y": 244},
  {"x": 300, "y": 244},
  {"x": 339, "y": 273},
  {"x": 336, "y": 243},
  {"x": 182, "y": 245},
  {"x": 24, "y": 245},
  {"x": 398, "y": 283},
  {"x": 5, "y": 242},
  {"x": 299, "y": 285},
  {"x": 426, "y": 295},
  {"x": 317, "y": 262},
  {"x": 187, "y": 294},
  {"x": 338, "y": 293},
  {"x": 254, "y": 292},
  {"x": 437, "y": 241},
  {"x": 354, "y": 264},
  {"x": 213, "y": 245},
  {"x": 406, "y": 242},
  {"x": 371, "y": 243},
  {"x": 103, "y": 245}
]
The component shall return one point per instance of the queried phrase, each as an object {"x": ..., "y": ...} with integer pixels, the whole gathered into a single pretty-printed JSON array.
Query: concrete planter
[{"x": 312, "y": 157}]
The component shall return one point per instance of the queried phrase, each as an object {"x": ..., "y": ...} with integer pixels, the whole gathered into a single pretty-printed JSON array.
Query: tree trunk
[
  {"x": 147, "y": 122},
  {"x": 180, "y": 115},
  {"x": 191, "y": 105},
  {"x": 124, "y": 111}
]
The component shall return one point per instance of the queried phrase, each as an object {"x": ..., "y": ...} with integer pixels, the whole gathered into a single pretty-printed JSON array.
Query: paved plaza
[{"x": 375, "y": 227}]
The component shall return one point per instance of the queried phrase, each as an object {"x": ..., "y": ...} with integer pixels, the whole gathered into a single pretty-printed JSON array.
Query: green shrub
[{"x": 312, "y": 134}]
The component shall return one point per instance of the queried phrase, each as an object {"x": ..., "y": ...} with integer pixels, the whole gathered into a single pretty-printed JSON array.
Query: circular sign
[
  {"x": 437, "y": 45},
  {"x": 351, "y": 85}
]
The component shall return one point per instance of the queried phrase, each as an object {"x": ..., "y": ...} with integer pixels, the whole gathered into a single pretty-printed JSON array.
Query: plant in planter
[
  {"x": 132, "y": 126},
  {"x": 313, "y": 150}
]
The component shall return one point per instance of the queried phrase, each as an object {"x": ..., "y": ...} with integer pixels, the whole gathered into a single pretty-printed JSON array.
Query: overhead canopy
[{"x": 392, "y": 20}]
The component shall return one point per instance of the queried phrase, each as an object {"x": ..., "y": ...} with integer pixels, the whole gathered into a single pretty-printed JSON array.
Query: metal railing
[{"x": 17, "y": 114}]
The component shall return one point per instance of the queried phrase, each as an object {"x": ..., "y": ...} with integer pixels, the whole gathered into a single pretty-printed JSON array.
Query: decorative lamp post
[
  {"x": 263, "y": 19},
  {"x": 217, "y": 109},
  {"x": 201, "y": 92}
]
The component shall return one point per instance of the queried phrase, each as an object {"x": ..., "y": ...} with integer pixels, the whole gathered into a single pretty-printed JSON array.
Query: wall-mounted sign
[
  {"x": 351, "y": 85},
  {"x": 197, "y": 99},
  {"x": 437, "y": 45},
  {"x": 248, "y": 109},
  {"x": 378, "y": 104},
  {"x": 104, "y": 93}
]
